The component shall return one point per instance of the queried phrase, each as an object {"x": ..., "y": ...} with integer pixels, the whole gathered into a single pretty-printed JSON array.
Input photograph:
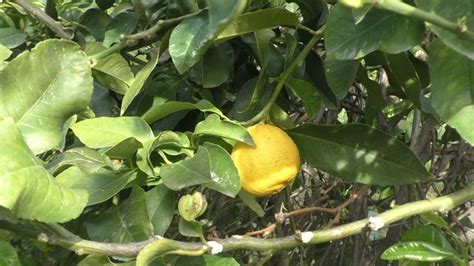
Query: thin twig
[{"x": 40, "y": 15}]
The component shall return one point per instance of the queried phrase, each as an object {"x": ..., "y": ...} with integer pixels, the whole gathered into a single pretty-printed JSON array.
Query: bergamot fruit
[{"x": 271, "y": 165}]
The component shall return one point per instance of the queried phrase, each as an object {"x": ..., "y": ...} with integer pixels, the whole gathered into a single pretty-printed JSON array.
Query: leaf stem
[
  {"x": 160, "y": 25},
  {"x": 57, "y": 235},
  {"x": 286, "y": 74},
  {"x": 460, "y": 29}
]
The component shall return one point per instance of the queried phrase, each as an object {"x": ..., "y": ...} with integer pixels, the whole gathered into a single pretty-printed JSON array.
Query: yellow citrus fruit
[{"x": 268, "y": 167}]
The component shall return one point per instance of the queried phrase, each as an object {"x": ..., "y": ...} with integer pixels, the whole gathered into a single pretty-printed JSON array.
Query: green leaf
[
  {"x": 214, "y": 126},
  {"x": 406, "y": 75},
  {"x": 454, "y": 11},
  {"x": 101, "y": 185},
  {"x": 252, "y": 203},
  {"x": 207, "y": 260},
  {"x": 280, "y": 118},
  {"x": 88, "y": 160},
  {"x": 189, "y": 228},
  {"x": 113, "y": 71},
  {"x": 417, "y": 250},
  {"x": 27, "y": 189},
  {"x": 109, "y": 131},
  {"x": 435, "y": 219},
  {"x": 221, "y": 13},
  {"x": 124, "y": 149},
  {"x": 307, "y": 93},
  {"x": 8, "y": 255},
  {"x": 187, "y": 49},
  {"x": 128, "y": 222},
  {"x": 157, "y": 112},
  {"x": 357, "y": 152},
  {"x": 452, "y": 88},
  {"x": 122, "y": 24},
  {"x": 161, "y": 204},
  {"x": 429, "y": 234},
  {"x": 11, "y": 37},
  {"x": 258, "y": 20},
  {"x": 95, "y": 21},
  {"x": 340, "y": 74},
  {"x": 215, "y": 67},
  {"x": 42, "y": 103},
  {"x": 167, "y": 142},
  {"x": 4, "y": 52},
  {"x": 137, "y": 83},
  {"x": 224, "y": 176},
  {"x": 345, "y": 40},
  {"x": 189, "y": 172},
  {"x": 259, "y": 42}
]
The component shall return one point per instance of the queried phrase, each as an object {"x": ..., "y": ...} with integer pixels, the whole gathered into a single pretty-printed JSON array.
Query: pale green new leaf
[
  {"x": 57, "y": 86},
  {"x": 27, "y": 189},
  {"x": 8, "y": 254},
  {"x": 419, "y": 251},
  {"x": 105, "y": 132}
]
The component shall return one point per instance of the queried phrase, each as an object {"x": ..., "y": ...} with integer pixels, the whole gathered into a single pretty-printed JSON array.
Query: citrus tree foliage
[{"x": 113, "y": 110}]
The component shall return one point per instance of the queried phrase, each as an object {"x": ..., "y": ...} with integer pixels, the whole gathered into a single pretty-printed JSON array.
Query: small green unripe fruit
[{"x": 192, "y": 206}]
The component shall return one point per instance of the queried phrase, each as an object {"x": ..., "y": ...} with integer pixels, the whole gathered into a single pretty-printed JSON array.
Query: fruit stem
[{"x": 263, "y": 114}]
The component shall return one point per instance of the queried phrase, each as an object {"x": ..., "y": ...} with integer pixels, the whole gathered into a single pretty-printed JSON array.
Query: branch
[
  {"x": 399, "y": 7},
  {"x": 40, "y": 15},
  {"x": 281, "y": 83},
  {"x": 57, "y": 235}
]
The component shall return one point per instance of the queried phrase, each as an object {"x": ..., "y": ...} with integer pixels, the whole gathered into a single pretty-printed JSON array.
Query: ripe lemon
[{"x": 268, "y": 167}]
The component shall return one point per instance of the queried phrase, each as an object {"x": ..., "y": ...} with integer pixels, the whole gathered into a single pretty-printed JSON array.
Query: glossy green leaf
[
  {"x": 42, "y": 103},
  {"x": 11, "y": 37},
  {"x": 214, "y": 126},
  {"x": 417, "y": 250},
  {"x": 252, "y": 203},
  {"x": 207, "y": 260},
  {"x": 281, "y": 118},
  {"x": 95, "y": 21},
  {"x": 224, "y": 176},
  {"x": 124, "y": 149},
  {"x": 435, "y": 219},
  {"x": 113, "y": 71},
  {"x": 429, "y": 234},
  {"x": 314, "y": 74},
  {"x": 384, "y": 30},
  {"x": 137, "y": 83},
  {"x": 215, "y": 67},
  {"x": 161, "y": 204},
  {"x": 357, "y": 152},
  {"x": 122, "y": 24},
  {"x": 258, "y": 20},
  {"x": 86, "y": 159},
  {"x": 340, "y": 74},
  {"x": 157, "y": 112},
  {"x": 406, "y": 75},
  {"x": 452, "y": 88},
  {"x": 105, "y": 132},
  {"x": 259, "y": 42},
  {"x": 454, "y": 11},
  {"x": 27, "y": 189},
  {"x": 187, "y": 49},
  {"x": 167, "y": 142},
  {"x": 307, "y": 93},
  {"x": 101, "y": 185},
  {"x": 189, "y": 172},
  {"x": 189, "y": 228},
  {"x": 221, "y": 13},
  {"x": 128, "y": 222}
]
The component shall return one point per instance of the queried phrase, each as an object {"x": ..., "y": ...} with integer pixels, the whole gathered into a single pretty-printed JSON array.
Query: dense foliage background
[{"x": 113, "y": 110}]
